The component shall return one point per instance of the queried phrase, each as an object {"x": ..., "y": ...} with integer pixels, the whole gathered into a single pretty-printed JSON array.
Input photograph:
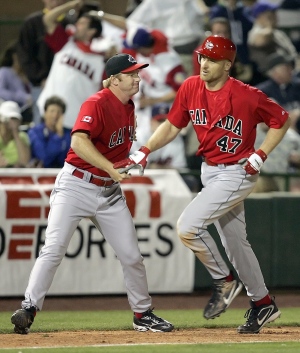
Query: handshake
[{"x": 137, "y": 160}]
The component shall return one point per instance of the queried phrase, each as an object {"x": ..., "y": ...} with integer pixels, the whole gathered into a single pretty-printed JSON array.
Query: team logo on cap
[
  {"x": 131, "y": 59},
  {"x": 209, "y": 45}
]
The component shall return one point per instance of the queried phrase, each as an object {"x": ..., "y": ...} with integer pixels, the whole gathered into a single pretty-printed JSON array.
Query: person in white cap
[{"x": 14, "y": 144}]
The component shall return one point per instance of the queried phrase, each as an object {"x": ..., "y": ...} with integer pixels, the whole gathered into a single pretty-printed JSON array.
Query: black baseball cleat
[
  {"x": 23, "y": 319},
  {"x": 257, "y": 317},
  {"x": 222, "y": 296},
  {"x": 149, "y": 321}
]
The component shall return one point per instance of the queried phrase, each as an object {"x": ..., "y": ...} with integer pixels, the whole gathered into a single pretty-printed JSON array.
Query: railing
[{"x": 286, "y": 177}]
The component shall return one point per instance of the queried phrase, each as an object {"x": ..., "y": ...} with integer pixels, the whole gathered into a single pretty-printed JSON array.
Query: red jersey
[
  {"x": 110, "y": 125},
  {"x": 225, "y": 120}
]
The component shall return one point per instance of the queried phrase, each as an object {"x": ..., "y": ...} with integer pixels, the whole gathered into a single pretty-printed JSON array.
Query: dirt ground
[{"x": 160, "y": 302}]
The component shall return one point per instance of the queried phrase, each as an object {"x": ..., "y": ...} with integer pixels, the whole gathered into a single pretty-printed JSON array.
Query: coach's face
[
  {"x": 214, "y": 71},
  {"x": 129, "y": 83}
]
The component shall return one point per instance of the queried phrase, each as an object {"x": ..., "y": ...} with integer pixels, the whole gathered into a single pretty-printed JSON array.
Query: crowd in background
[{"x": 58, "y": 60}]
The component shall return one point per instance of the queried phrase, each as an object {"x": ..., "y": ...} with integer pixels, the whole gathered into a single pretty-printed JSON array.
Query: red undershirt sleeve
[{"x": 57, "y": 39}]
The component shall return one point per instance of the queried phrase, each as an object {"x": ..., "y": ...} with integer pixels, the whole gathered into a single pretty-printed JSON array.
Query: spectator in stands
[
  {"x": 34, "y": 54},
  {"x": 265, "y": 38},
  {"x": 240, "y": 24},
  {"x": 283, "y": 85},
  {"x": 247, "y": 8},
  {"x": 173, "y": 154},
  {"x": 284, "y": 159},
  {"x": 14, "y": 144},
  {"x": 220, "y": 26},
  {"x": 78, "y": 68},
  {"x": 181, "y": 21},
  {"x": 239, "y": 14},
  {"x": 111, "y": 35},
  {"x": 14, "y": 84},
  {"x": 292, "y": 7},
  {"x": 50, "y": 141},
  {"x": 160, "y": 81}
]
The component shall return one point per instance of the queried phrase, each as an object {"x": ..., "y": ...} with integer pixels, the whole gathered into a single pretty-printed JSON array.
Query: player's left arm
[
  {"x": 254, "y": 163},
  {"x": 274, "y": 136}
]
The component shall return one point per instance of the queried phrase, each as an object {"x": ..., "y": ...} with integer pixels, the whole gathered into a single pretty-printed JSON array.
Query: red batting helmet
[{"x": 218, "y": 48}]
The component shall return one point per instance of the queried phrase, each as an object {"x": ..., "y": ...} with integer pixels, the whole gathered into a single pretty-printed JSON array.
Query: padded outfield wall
[{"x": 273, "y": 227}]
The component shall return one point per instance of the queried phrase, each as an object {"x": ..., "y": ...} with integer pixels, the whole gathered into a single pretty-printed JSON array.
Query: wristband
[
  {"x": 145, "y": 150},
  {"x": 261, "y": 154}
]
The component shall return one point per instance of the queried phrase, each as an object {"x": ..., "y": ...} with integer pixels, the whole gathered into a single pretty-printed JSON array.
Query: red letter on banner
[
  {"x": 15, "y": 210},
  {"x": 14, "y": 253}
]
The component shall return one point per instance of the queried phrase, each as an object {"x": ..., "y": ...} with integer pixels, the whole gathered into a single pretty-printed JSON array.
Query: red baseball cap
[{"x": 122, "y": 63}]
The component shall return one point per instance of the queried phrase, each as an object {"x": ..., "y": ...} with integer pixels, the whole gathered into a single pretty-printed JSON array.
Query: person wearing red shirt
[
  {"x": 224, "y": 113},
  {"x": 88, "y": 186}
]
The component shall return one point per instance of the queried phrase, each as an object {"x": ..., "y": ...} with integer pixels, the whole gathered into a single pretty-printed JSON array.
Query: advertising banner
[{"x": 90, "y": 266}]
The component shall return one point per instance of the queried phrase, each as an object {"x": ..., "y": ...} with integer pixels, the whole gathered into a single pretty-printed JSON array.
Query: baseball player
[
  {"x": 88, "y": 187},
  {"x": 224, "y": 113}
]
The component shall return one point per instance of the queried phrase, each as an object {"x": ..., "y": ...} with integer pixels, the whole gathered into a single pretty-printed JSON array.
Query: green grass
[
  {"x": 52, "y": 321},
  {"x": 288, "y": 347}
]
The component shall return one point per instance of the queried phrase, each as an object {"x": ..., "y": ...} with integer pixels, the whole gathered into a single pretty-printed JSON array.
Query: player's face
[
  {"x": 129, "y": 83},
  {"x": 213, "y": 71}
]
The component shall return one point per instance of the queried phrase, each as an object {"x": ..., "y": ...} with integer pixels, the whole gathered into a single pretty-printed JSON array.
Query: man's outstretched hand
[{"x": 137, "y": 160}]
